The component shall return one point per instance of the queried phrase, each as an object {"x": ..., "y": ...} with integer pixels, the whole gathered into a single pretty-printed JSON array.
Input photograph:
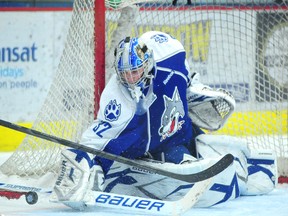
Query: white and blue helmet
[{"x": 133, "y": 63}]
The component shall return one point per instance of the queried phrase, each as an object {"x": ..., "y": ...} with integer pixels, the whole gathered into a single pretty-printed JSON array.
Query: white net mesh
[{"x": 69, "y": 106}]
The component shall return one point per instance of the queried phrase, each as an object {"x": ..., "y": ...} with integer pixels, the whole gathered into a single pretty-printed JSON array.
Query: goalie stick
[
  {"x": 147, "y": 206},
  {"x": 190, "y": 178}
]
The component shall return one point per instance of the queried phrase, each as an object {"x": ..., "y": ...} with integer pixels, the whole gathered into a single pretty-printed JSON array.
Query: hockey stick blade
[
  {"x": 147, "y": 206},
  {"x": 150, "y": 206},
  {"x": 190, "y": 178}
]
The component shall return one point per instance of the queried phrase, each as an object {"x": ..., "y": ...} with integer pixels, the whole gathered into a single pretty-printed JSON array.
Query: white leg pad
[
  {"x": 262, "y": 172},
  {"x": 216, "y": 145},
  {"x": 76, "y": 179},
  {"x": 256, "y": 170}
]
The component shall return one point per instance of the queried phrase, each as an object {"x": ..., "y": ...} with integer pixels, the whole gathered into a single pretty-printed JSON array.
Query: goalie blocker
[{"x": 253, "y": 172}]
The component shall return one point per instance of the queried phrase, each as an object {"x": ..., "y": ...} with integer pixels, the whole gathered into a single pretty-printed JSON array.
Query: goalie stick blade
[
  {"x": 145, "y": 206},
  {"x": 190, "y": 178}
]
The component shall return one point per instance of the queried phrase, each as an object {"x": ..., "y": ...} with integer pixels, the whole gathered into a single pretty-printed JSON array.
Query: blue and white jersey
[{"x": 156, "y": 123}]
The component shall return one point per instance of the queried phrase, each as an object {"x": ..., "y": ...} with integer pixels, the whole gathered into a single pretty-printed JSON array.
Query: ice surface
[{"x": 273, "y": 204}]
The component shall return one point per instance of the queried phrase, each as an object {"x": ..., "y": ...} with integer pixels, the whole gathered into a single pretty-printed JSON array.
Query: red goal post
[{"x": 239, "y": 46}]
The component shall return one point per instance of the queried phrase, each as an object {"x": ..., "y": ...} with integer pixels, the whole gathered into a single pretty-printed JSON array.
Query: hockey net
[{"x": 240, "y": 46}]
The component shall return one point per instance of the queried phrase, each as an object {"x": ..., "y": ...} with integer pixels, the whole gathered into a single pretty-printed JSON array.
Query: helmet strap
[{"x": 136, "y": 93}]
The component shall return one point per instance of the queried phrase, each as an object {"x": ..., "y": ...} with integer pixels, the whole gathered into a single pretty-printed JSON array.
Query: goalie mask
[{"x": 134, "y": 63}]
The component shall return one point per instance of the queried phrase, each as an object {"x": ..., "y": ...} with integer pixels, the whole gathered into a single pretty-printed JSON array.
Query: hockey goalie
[{"x": 154, "y": 110}]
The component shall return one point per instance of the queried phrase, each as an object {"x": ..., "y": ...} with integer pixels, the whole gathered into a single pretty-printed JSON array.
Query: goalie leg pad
[
  {"x": 262, "y": 172},
  {"x": 224, "y": 187},
  {"x": 256, "y": 169},
  {"x": 228, "y": 184},
  {"x": 78, "y": 175},
  {"x": 124, "y": 179},
  {"x": 216, "y": 145}
]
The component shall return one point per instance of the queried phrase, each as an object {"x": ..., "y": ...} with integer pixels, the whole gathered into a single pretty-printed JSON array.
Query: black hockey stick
[{"x": 190, "y": 178}]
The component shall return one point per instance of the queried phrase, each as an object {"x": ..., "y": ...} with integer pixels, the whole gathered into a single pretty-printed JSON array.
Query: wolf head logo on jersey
[
  {"x": 112, "y": 111},
  {"x": 174, "y": 109}
]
